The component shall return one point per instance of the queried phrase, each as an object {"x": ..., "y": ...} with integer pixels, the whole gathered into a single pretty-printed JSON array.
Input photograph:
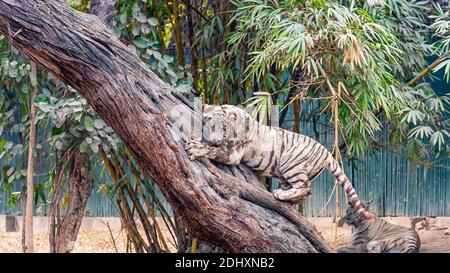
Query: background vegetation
[{"x": 360, "y": 68}]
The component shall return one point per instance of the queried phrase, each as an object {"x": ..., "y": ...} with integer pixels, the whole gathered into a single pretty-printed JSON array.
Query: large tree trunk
[
  {"x": 62, "y": 236},
  {"x": 225, "y": 206},
  {"x": 80, "y": 187}
]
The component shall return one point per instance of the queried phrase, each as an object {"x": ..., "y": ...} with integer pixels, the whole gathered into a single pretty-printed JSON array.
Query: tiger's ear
[{"x": 233, "y": 116}]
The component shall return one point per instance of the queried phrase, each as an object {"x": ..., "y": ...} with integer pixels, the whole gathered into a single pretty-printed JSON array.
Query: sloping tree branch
[
  {"x": 427, "y": 70},
  {"x": 225, "y": 206},
  {"x": 80, "y": 187}
]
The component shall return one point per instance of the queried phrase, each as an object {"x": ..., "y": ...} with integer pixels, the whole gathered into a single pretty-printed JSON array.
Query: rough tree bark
[
  {"x": 80, "y": 187},
  {"x": 223, "y": 205},
  {"x": 62, "y": 237}
]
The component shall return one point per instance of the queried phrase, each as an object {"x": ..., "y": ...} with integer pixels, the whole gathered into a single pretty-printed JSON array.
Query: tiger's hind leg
[{"x": 300, "y": 188}]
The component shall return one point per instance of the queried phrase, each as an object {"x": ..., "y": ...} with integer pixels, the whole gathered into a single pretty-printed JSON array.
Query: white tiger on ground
[
  {"x": 377, "y": 236},
  {"x": 231, "y": 136}
]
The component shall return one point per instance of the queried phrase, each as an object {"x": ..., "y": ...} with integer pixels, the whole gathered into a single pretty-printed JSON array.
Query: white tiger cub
[
  {"x": 231, "y": 136},
  {"x": 377, "y": 236}
]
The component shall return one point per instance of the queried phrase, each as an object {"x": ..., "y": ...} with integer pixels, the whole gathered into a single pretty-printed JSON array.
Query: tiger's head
[
  {"x": 351, "y": 216},
  {"x": 222, "y": 123}
]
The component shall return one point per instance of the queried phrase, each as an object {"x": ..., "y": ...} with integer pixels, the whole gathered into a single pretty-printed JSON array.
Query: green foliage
[
  {"x": 426, "y": 117},
  {"x": 13, "y": 200},
  {"x": 367, "y": 50},
  {"x": 14, "y": 124},
  {"x": 441, "y": 27},
  {"x": 137, "y": 25},
  {"x": 262, "y": 104},
  {"x": 81, "y": 5},
  {"x": 74, "y": 121}
]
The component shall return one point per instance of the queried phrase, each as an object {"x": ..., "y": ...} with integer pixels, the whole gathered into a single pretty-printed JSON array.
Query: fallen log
[{"x": 223, "y": 205}]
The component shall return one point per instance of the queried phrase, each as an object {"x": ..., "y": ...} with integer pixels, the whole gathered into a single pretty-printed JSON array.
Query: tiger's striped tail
[{"x": 336, "y": 170}]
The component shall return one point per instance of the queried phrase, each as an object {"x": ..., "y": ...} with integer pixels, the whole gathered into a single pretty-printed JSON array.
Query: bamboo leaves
[
  {"x": 441, "y": 28},
  {"x": 262, "y": 106},
  {"x": 368, "y": 48}
]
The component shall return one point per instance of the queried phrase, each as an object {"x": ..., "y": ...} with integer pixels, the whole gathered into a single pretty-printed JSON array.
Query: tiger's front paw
[
  {"x": 292, "y": 195},
  {"x": 195, "y": 149},
  {"x": 277, "y": 193}
]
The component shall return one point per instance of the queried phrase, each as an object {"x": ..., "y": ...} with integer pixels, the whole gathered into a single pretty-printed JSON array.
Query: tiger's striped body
[
  {"x": 378, "y": 236},
  {"x": 232, "y": 137}
]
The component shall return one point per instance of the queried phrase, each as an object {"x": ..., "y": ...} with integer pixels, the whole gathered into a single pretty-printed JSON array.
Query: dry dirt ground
[
  {"x": 433, "y": 239},
  {"x": 94, "y": 237}
]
